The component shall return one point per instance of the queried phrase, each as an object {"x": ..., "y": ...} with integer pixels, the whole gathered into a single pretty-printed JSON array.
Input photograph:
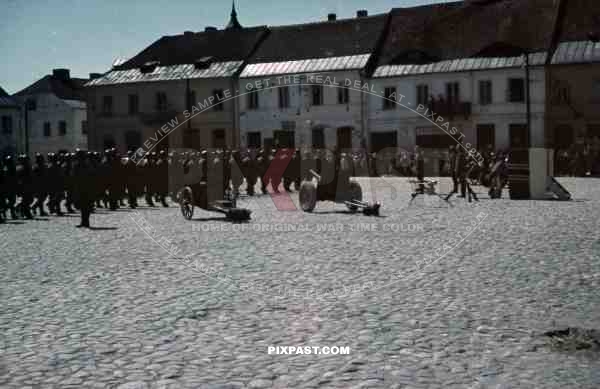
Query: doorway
[
  {"x": 519, "y": 137},
  {"x": 344, "y": 138},
  {"x": 486, "y": 135}
]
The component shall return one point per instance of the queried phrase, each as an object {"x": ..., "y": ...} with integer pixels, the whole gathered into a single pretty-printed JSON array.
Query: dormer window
[
  {"x": 149, "y": 67},
  {"x": 203, "y": 63}
]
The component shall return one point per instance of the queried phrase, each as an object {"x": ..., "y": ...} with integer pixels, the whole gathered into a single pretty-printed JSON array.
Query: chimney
[
  {"x": 61, "y": 74},
  {"x": 210, "y": 28},
  {"x": 362, "y": 13},
  {"x": 331, "y": 17},
  {"x": 93, "y": 76}
]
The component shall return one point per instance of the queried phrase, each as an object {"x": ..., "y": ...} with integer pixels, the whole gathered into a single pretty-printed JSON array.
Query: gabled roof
[
  {"x": 6, "y": 100},
  {"x": 223, "y": 45},
  {"x": 340, "y": 38},
  {"x": 468, "y": 29},
  {"x": 71, "y": 89}
]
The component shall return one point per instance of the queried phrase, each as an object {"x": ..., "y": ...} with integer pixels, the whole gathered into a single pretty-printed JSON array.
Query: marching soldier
[
  {"x": 69, "y": 182},
  {"x": 2, "y": 193},
  {"x": 40, "y": 184},
  {"x": 11, "y": 185},
  {"x": 25, "y": 185}
]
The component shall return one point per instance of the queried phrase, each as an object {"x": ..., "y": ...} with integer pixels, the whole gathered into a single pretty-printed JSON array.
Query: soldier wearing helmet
[{"x": 40, "y": 184}]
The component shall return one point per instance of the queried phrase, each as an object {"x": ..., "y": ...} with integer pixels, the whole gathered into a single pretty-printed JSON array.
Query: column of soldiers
[{"x": 83, "y": 181}]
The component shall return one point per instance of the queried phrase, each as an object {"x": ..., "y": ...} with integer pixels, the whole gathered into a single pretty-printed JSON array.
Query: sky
[{"x": 86, "y": 36}]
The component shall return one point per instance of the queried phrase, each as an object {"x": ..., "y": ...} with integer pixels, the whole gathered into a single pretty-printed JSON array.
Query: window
[
  {"x": 107, "y": 105},
  {"x": 389, "y": 98},
  {"x": 284, "y": 97},
  {"x": 7, "y": 125},
  {"x": 485, "y": 92},
  {"x": 161, "y": 101},
  {"x": 516, "y": 90},
  {"x": 423, "y": 95},
  {"x": 62, "y": 127},
  {"x": 343, "y": 95},
  {"x": 84, "y": 127},
  {"x": 218, "y": 139},
  {"x": 596, "y": 91},
  {"x": 31, "y": 104},
  {"x": 253, "y": 100},
  {"x": 218, "y": 94},
  {"x": 47, "y": 131},
  {"x": 452, "y": 92},
  {"x": 317, "y": 94},
  {"x": 253, "y": 140},
  {"x": 191, "y": 99},
  {"x": 134, "y": 104}
]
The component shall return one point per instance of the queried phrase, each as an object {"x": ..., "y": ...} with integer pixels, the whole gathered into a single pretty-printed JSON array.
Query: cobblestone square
[{"x": 429, "y": 295}]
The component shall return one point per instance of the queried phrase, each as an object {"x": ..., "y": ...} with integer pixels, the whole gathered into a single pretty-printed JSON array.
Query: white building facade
[
  {"x": 10, "y": 125},
  {"x": 53, "y": 114},
  {"x": 478, "y": 105}
]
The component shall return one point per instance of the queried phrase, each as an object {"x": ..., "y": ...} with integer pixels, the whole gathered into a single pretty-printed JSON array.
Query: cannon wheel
[
  {"x": 354, "y": 193},
  {"x": 308, "y": 196},
  {"x": 186, "y": 202}
]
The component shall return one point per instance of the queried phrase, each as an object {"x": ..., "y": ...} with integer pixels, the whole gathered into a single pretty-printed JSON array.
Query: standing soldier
[
  {"x": 249, "y": 170},
  {"x": 84, "y": 190},
  {"x": 262, "y": 164},
  {"x": 452, "y": 168},
  {"x": 2, "y": 193},
  {"x": 11, "y": 185},
  {"x": 162, "y": 178},
  {"x": 25, "y": 180},
  {"x": 68, "y": 183},
  {"x": 461, "y": 170},
  {"x": 235, "y": 167},
  {"x": 40, "y": 183}
]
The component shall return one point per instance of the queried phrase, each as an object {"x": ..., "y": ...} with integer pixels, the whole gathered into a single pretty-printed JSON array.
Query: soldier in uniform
[
  {"x": 2, "y": 193},
  {"x": 69, "y": 182},
  {"x": 84, "y": 191},
  {"x": 25, "y": 185},
  {"x": 40, "y": 183},
  {"x": 11, "y": 185},
  {"x": 461, "y": 170},
  {"x": 149, "y": 178},
  {"x": 249, "y": 171},
  {"x": 235, "y": 167},
  {"x": 162, "y": 177},
  {"x": 452, "y": 168},
  {"x": 55, "y": 192},
  {"x": 262, "y": 164}
]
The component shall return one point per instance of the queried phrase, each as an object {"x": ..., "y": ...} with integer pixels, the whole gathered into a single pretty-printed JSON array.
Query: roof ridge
[
  {"x": 236, "y": 31},
  {"x": 327, "y": 22}
]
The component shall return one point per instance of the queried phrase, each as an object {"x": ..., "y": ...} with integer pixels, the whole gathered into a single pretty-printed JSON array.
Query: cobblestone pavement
[{"x": 429, "y": 295}]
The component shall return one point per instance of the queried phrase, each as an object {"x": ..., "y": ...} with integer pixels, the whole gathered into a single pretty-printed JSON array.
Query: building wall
[
  {"x": 406, "y": 118},
  {"x": 578, "y": 115},
  {"x": 50, "y": 108},
  {"x": 302, "y": 116},
  {"x": 148, "y": 120},
  {"x": 9, "y": 141}
]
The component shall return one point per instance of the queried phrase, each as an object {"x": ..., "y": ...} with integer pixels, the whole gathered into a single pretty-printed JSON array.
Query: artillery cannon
[
  {"x": 201, "y": 196},
  {"x": 349, "y": 193}
]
